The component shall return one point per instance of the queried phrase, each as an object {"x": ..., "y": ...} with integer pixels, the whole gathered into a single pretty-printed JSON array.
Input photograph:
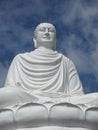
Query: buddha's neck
[{"x": 45, "y": 49}]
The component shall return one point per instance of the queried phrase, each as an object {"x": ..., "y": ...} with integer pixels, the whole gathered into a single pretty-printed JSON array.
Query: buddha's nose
[{"x": 47, "y": 32}]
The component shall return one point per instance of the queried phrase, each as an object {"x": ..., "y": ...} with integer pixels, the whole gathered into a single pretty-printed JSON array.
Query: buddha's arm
[
  {"x": 11, "y": 74},
  {"x": 75, "y": 86}
]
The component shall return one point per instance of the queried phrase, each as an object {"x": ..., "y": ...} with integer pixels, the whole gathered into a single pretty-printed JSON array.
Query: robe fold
[{"x": 44, "y": 72}]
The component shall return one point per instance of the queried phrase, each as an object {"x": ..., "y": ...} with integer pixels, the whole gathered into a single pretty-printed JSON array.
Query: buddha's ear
[
  {"x": 35, "y": 42},
  {"x": 54, "y": 45}
]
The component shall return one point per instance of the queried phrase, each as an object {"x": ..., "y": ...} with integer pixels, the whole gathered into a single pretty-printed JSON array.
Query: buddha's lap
[
  {"x": 13, "y": 94},
  {"x": 91, "y": 99}
]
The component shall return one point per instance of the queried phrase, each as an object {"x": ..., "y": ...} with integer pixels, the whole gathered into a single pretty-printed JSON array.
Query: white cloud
[
  {"x": 79, "y": 9},
  {"x": 87, "y": 13},
  {"x": 80, "y": 58},
  {"x": 23, "y": 8},
  {"x": 94, "y": 58},
  {"x": 70, "y": 12},
  {"x": 12, "y": 19}
]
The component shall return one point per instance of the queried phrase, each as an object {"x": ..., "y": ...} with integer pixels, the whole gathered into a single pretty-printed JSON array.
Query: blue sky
[{"x": 76, "y": 22}]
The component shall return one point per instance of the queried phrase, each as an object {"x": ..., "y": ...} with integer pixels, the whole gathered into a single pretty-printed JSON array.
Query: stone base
[
  {"x": 62, "y": 116},
  {"x": 54, "y": 128}
]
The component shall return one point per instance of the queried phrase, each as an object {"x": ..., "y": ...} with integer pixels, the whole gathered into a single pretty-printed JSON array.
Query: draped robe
[{"x": 45, "y": 73}]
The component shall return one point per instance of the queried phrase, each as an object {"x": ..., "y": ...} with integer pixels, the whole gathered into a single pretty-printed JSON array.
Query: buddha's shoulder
[
  {"x": 67, "y": 60},
  {"x": 22, "y": 56},
  {"x": 25, "y": 54}
]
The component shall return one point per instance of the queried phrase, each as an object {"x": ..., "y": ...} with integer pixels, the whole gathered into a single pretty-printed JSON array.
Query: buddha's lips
[{"x": 46, "y": 37}]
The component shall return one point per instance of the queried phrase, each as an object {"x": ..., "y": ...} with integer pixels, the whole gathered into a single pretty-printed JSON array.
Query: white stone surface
[
  {"x": 53, "y": 128},
  {"x": 38, "y": 116},
  {"x": 43, "y": 89}
]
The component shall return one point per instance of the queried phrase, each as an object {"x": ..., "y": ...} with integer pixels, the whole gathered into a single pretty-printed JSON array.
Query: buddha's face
[{"x": 45, "y": 35}]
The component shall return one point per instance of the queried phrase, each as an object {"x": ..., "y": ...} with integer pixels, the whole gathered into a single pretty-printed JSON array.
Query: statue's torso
[{"x": 40, "y": 71}]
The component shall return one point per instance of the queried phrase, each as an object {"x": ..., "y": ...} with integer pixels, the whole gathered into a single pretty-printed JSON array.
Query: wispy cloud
[
  {"x": 16, "y": 20},
  {"x": 94, "y": 59},
  {"x": 82, "y": 44}
]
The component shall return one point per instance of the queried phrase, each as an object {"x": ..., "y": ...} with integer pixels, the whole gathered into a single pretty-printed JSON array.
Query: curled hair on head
[{"x": 36, "y": 29}]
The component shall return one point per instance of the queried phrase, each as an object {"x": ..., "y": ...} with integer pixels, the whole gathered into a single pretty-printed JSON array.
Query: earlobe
[
  {"x": 35, "y": 43},
  {"x": 54, "y": 45}
]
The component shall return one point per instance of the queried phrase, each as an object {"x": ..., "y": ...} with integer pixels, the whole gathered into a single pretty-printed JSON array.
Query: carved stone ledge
[{"x": 62, "y": 116}]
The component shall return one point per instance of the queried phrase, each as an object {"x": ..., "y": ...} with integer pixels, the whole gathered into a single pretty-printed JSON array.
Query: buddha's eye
[
  {"x": 42, "y": 29},
  {"x": 51, "y": 30}
]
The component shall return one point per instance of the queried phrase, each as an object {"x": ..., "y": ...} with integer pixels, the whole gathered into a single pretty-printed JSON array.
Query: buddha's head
[{"x": 45, "y": 36}]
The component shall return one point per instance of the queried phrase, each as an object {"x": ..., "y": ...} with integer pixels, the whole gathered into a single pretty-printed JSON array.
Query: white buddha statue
[{"x": 44, "y": 75}]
